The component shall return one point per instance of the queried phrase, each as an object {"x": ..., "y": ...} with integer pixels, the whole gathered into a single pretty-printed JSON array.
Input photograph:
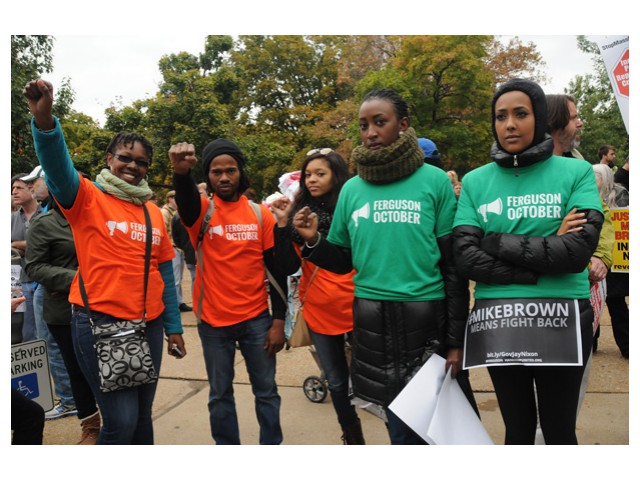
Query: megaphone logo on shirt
[
  {"x": 217, "y": 230},
  {"x": 113, "y": 226},
  {"x": 493, "y": 207},
  {"x": 362, "y": 212}
]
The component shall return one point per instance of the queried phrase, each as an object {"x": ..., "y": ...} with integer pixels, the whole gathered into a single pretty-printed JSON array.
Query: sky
[{"x": 119, "y": 69}]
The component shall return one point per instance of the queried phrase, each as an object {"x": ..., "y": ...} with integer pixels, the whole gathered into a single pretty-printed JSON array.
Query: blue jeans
[
  {"x": 29, "y": 320},
  {"x": 82, "y": 393},
  {"x": 126, "y": 414},
  {"x": 330, "y": 349},
  {"x": 219, "y": 348},
  {"x": 61, "y": 382}
]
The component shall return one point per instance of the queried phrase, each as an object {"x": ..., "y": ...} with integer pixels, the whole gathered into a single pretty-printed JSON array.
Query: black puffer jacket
[
  {"x": 508, "y": 258},
  {"x": 391, "y": 340}
]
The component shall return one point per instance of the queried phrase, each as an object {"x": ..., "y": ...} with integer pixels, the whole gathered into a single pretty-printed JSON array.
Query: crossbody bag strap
[
  {"x": 308, "y": 286},
  {"x": 203, "y": 229},
  {"x": 258, "y": 211},
  {"x": 85, "y": 300},
  {"x": 147, "y": 258},
  {"x": 147, "y": 263}
]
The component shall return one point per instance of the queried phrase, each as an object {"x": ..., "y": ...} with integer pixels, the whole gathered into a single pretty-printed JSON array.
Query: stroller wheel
[{"x": 315, "y": 389}]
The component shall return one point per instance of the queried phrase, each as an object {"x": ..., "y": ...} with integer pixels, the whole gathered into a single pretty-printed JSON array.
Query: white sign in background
[
  {"x": 16, "y": 287},
  {"x": 30, "y": 373},
  {"x": 615, "y": 53}
]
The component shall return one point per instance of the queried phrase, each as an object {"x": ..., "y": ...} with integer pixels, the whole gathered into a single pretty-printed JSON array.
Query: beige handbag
[{"x": 300, "y": 336}]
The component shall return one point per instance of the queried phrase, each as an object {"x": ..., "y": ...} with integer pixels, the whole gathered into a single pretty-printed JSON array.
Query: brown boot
[
  {"x": 352, "y": 434},
  {"x": 90, "y": 429}
]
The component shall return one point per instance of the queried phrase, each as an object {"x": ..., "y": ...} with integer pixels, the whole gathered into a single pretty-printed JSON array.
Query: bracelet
[{"x": 314, "y": 245}]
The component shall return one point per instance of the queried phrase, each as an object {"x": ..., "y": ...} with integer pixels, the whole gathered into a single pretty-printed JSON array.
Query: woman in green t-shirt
[
  {"x": 525, "y": 229},
  {"x": 393, "y": 224}
]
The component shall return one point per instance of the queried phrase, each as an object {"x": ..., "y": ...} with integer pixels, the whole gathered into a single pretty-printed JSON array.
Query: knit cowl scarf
[
  {"x": 136, "y": 194},
  {"x": 324, "y": 220},
  {"x": 390, "y": 163}
]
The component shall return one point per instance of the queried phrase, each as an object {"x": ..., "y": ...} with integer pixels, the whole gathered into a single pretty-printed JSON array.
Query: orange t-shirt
[
  {"x": 233, "y": 261},
  {"x": 328, "y": 307},
  {"x": 109, "y": 235}
]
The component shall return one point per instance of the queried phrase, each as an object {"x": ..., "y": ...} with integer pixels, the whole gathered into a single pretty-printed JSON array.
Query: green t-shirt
[
  {"x": 532, "y": 203},
  {"x": 392, "y": 230}
]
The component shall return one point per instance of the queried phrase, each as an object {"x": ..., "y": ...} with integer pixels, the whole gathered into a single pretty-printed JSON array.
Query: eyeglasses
[
  {"x": 126, "y": 159},
  {"x": 321, "y": 151}
]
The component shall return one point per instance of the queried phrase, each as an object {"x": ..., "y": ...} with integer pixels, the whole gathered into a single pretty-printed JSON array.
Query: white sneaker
[{"x": 60, "y": 411}]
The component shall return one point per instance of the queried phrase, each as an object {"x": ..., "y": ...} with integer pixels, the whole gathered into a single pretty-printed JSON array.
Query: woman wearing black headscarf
[{"x": 510, "y": 238}]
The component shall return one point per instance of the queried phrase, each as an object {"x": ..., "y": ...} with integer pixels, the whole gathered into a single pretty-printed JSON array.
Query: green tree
[
  {"x": 284, "y": 79},
  {"x": 216, "y": 50},
  {"x": 598, "y": 109},
  {"x": 448, "y": 86},
  {"x": 448, "y": 82},
  {"x": 515, "y": 60},
  {"x": 30, "y": 58},
  {"x": 86, "y": 142},
  {"x": 187, "y": 108},
  {"x": 279, "y": 96}
]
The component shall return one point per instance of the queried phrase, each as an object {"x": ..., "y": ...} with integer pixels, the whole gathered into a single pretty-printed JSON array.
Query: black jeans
[
  {"x": 333, "y": 361},
  {"x": 82, "y": 394},
  {"x": 552, "y": 392},
  {"x": 27, "y": 420}
]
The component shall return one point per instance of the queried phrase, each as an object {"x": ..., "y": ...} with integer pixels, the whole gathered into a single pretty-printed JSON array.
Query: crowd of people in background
[{"x": 386, "y": 257}]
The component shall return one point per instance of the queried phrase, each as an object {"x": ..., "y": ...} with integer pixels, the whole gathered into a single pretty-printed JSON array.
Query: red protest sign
[{"x": 621, "y": 74}]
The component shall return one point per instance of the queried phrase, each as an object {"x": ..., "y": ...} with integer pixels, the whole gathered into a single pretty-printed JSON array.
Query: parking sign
[{"x": 30, "y": 373}]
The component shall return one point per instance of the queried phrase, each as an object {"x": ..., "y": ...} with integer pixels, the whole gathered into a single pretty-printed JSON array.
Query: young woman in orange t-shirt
[
  {"x": 328, "y": 297},
  {"x": 108, "y": 223}
]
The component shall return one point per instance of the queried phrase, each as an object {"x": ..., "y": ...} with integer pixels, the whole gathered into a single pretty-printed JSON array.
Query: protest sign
[
  {"x": 30, "y": 374},
  {"x": 615, "y": 54},
  {"x": 525, "y": 331},
  {"x": 16, "y": 287},
  {"x": 620, "y": 219},
  {"x": 598, "y": 298}
]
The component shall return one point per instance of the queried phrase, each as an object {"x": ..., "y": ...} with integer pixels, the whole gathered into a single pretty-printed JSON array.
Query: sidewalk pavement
[{"x": 181, "y": 414}]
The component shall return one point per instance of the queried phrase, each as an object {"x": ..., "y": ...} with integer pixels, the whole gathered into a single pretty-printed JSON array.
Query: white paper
[{"x": 435, "y": 407}]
